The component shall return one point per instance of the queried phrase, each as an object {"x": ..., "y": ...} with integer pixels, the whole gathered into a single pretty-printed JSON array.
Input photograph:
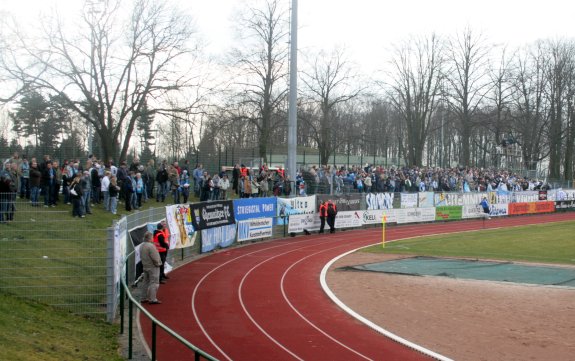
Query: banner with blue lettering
[
  {"x": 218, "y": 237},
  {"x": 247, "y": 208}
]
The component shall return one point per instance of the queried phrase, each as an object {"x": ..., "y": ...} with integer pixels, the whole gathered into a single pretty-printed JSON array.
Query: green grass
[
  {"x": 546, "y": 243},
  {"x": 35, "y": 332}
]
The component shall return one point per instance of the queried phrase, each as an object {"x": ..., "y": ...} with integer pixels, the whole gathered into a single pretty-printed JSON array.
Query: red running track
[{"x": 264, "y": 301}]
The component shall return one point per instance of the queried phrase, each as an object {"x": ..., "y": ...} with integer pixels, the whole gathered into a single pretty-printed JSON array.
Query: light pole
[{"x": 292, "y": 115}]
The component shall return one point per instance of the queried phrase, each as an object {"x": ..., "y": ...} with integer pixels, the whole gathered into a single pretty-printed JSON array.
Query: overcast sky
[{"x": 367, "y": 28}]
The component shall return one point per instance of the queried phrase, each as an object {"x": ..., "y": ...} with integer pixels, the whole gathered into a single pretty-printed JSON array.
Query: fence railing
[{"x": 53, "y": 260}]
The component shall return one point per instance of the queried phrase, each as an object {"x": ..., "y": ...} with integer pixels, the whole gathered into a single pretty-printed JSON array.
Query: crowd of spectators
[
  {"x": 379, "y": 179},
  {"x": 91, "y": 182}
]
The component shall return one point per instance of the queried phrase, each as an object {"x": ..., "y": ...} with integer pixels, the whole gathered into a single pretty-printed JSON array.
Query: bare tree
[
  {"x": 417, "y": 75},
  {"x": 108, "y": 68},
  {"x": 468, "y": 57},
  {"x": 498, "y": 105},
  {"x": 330, "y": 82},
  {"x": 262, "y": 68},
  {"x": 529, "y": 116},
  {"x": 558, "y": 72}
]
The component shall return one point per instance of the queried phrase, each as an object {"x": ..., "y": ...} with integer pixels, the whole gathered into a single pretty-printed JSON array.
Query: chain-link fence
[{"x": 52, "y": 258}]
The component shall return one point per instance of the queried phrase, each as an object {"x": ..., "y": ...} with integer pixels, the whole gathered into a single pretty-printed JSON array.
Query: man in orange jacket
[
  {"x": 162, "y": 245},
  {"x": 322, "y": 215}
]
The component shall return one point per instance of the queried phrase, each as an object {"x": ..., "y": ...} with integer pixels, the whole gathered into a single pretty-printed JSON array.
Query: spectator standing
[
  {"x": 139, "y": 190},
  {"x": 224, "y": 186},
  {"x": 185, "y": 185},
  {"x": 162, "y": 177},
  {"x": 105, "y": 189},
  {"x": 35, "y": 182},
  {"x": 113, "y": 192},
  {"x": 25, "y": 179},
  {"x": 76, "y": 196},
  {"x": 86, "y": 183},
  {"x": 151, "y": 262}
]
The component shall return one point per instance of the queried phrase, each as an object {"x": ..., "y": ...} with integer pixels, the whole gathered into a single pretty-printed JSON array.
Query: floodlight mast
[{"x": 292, "y": 113}]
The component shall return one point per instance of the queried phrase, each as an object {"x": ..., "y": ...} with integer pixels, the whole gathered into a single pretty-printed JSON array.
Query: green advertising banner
[{"x": 448, "y": 213}]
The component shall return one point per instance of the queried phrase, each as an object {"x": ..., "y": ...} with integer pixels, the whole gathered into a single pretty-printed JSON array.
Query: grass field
[
  {"x": 32, "y": 331},
  {"x": 545, "y": 243}
]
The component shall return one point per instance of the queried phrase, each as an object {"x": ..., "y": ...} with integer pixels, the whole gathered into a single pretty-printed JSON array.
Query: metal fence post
[{"x": 111, "y": 301}]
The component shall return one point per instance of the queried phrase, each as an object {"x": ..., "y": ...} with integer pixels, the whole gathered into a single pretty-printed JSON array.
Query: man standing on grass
[{"x": 151, "y": 262}]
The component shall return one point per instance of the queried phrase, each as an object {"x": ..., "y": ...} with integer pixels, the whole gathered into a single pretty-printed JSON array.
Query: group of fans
[
  {"x": 84, "y": 184},
  {"x": 379, "y": 179}
]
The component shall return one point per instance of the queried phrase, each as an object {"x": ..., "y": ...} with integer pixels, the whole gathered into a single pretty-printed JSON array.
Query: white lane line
[
  {"x": 306, "y": 319},
  {"x": 194, "y": 294},
  {"x": 367, "y": 322}
]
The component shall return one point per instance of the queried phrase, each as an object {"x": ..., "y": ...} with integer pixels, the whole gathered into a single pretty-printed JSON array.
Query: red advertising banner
[{"x": 531, "y": 208}]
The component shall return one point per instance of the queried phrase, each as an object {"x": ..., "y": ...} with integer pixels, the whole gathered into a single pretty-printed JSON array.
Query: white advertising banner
[
  {"x": 298, "y": 205},
  {"x": 254, "y": 228},
  {"x": 348, "y": 219},
  {"x": 409, "y": 200},
  {"x": 499, "y": 210},
  {"x": 469, "y": 211},
  {"x": 180, "y": 225},
  {"x": 425, "y": 199},
  {"x": 525, "y": 197},
  {"x": 299, "y": 222},
  {"x": 375, "y": 216},
  {"x": 379, "y": 200},
  {"x": 472, "y": 199},
  {"x": 448, "y": 199},
  {"x": 415, "y": 215}
]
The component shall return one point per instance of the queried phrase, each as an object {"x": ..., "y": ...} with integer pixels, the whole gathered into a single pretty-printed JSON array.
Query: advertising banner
[
  {"x": 179, "y": 221},
  {"x": 254, "y": 229},
  {"x": 425, "y": 199},
  {"x": 348, "y": 219},
  {"x": 448, "y": 199},
  {"x": 409, "y": 200},
  {"x": 499, "y": 210},
  {"x": 246, "y": 208},
  {"x": 415, "y": 215},
  {"x": 525, "y": 196},
  {"x": 379, "y": 200},
  {"x": 470, "y": 199},
  {"x": 298, "y": 205},
  {"x": 565, "y": 204},
  {"x": 560, "y": 195},
  {"x": 308, "y": 221},
  {"x": 375, "y": 216},
  {"x": 218, "y": 237},
  {"x": 448, "y": 213},
  {"x": 212, "y": 214},
  {"x": 343, "y": 202},
  {"x": 531, "y": 208},
  {"x": 542, "y": 195},
  {"x": 469, "y": 211}
]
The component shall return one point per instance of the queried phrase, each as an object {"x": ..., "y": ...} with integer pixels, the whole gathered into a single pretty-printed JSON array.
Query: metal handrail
[{"x": 125, "y": 291}]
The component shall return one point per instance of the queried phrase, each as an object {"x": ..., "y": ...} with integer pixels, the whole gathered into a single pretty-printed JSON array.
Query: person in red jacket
[
  {"x": 322, "y": 215},
  {"x": 162, "y": 245}
]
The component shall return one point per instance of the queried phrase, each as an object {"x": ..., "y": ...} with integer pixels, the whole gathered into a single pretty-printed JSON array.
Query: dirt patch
[{"x": 461, "y": 319}]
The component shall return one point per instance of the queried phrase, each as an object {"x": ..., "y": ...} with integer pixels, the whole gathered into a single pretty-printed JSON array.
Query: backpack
[{"x": 331, "y": 212}]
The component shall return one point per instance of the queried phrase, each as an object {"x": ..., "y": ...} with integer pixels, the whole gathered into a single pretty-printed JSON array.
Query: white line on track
[
  {"x": 286, "y": 298},
  {"x": 196, "y": 315}
]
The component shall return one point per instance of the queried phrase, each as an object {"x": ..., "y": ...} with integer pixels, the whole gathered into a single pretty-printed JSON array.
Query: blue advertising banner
[
  {"x": 247, "y": 208},
  {"x": 218, "y": 237}
]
